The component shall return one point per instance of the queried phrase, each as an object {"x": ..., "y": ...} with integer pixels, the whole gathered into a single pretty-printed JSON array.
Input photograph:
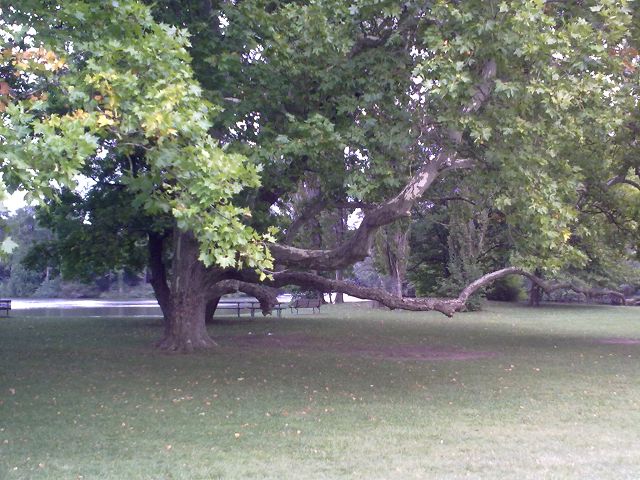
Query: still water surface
[{"x": 57, "y": 307}]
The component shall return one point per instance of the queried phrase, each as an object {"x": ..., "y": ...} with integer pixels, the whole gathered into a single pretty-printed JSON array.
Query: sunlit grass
[{"x": 324, "y": 397}]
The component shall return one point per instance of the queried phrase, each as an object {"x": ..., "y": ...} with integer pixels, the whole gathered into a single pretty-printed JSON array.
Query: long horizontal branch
[
  {"x": 447, "y": 306},
  {"x": 588, "y": 291},
  {"x": 547, "y": 287},
  {"x": 310, "y": 280}
]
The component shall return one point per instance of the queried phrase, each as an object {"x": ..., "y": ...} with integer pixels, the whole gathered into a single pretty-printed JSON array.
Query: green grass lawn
[{"x": 353, "y": 393}]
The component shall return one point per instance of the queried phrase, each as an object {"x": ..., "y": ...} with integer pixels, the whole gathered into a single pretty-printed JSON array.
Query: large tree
[{"x": 374, "y": 103}]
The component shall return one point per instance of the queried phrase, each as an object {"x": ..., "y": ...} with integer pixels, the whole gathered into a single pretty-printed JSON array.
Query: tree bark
[
  {"x": 340, "y": 229},
  {"x": 536, "y": 292},
  {"x": 185, "y": 326},
  {"x": 158, "y": 278},
  {"x": 394, "y": 249},
  {"x": 447, "y": 306},
  {"x": 210, "y": 311},
  {"x": 339, "y": 295}
]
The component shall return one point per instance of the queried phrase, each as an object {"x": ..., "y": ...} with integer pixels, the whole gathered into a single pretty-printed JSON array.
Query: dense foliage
[
  {"x": 118, "y": 101},
  {"x": 225, "y": 150}
]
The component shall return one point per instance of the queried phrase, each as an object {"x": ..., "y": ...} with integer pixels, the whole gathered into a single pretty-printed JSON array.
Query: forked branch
[{"x": 358, "y": 246}]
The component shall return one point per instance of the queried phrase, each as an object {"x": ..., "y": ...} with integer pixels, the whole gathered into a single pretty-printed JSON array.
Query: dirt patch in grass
[
  {"x": 618, "y": 341},
  {"x": 385, "y": 352}
]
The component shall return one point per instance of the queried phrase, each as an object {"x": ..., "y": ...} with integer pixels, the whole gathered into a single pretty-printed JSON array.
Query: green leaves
[
  {"x": 345, "y": 99},
  {"x": 130, "y": 89},
  {"x": 549, "y": 102},
  {"x": 7, "y": 246}
]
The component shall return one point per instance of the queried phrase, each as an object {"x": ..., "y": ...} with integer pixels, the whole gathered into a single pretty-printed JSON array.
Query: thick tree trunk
[
  {"x": 187, "y": 330},
  {"x": 210, "y": 311},
  {"x": 339, "y": 295},
  {"x": 158, "y": 277},
  {"x": 536, "y": 292},
  {"x": 185, "y": 326}
]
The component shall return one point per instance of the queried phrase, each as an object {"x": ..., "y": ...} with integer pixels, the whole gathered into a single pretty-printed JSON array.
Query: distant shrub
[
  {"x": 22, "y": 282},
  {"x": 49, "y": 288},
  {"x": 507, "y": 289},
  {"x": 79, "y": 290},
  {"x": 628, "y": 290},
  {"x": 567, "y": 296}
]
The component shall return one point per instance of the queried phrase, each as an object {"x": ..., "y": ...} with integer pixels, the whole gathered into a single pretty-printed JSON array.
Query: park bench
[
  {"x": 311, "y": 303},
  {"x": 5, "y": 305},
  {"x": 251, "y": 306}
]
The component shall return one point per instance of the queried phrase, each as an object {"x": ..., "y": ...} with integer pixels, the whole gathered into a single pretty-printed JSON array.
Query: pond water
[{"x": 57, "y": 307}]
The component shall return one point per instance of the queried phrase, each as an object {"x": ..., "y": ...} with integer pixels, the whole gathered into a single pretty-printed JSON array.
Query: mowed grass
[{"x": 326, "y": 396}]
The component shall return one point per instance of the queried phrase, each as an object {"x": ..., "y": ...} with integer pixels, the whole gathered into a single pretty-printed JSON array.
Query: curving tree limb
[
  {"x": 359, "y": 245},
  {"x": 447, "y": 306},
  {"x": 622, "y": 178}
]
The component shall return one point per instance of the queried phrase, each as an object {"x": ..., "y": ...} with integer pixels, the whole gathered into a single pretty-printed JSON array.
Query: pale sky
[{"x": 13, "y": 202}]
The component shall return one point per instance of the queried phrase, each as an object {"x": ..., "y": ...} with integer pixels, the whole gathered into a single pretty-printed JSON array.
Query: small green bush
[
  {"x": 49, "y": 288},
  {"x": 507, "y": 289}
]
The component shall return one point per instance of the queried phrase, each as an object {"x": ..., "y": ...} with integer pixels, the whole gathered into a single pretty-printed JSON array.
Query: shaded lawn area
[{"x": 352, "y": 393}]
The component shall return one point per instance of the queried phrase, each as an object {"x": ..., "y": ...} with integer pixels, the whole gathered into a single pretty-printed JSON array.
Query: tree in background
[
  {"x": 391, "y": 249},
  {"x": 16, "y": 278}
]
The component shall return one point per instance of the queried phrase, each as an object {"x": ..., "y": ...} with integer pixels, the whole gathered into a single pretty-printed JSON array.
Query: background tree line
[{"x": 462, "y": 245}]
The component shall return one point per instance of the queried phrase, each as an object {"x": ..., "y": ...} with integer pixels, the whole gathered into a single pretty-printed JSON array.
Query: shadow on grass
[{"x": 348, "y": 330}]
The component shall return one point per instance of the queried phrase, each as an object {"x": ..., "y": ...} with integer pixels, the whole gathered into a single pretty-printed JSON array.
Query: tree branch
[
  {"x": 447, "y": 306},
  {"x": 452, "y": 199},
  {"x": 367, "y": 42},
  {"x": 622, "y": 179},
  {"x": 310, "y": 280},
  {"x": 482, "y": 91},
  {"x": 308, "y": 211},
  {"x": 359, "y": 245},
  {"x": 267, "y": 296}
]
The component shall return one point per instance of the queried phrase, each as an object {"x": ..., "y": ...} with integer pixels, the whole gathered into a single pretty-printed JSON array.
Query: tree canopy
[{"x": 222, "y": 129}]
